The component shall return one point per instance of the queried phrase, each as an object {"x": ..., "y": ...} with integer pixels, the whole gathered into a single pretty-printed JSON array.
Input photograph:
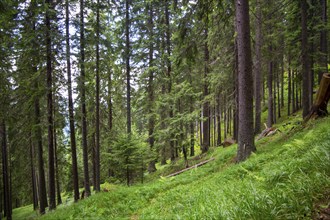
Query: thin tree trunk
[
  {"x": 38, "y": 136},
  {"x": 192, "y": 140},
  {"x": 297, "y": 90},
  {"x": 128, "y": 67},
  {"x": 323, "y": 40},
  {"x": 93, "y": 145},
  {"x": 151, "y": 122},
  {"x": 169, "y": 71},
  {"x": 236, "y": 93},
  {"x": 282, "y": 83},
  {"x": 258, "y": 73},
  {"x": 274, "y": 91},
  {"x": 71, "y": 114},
  {"x": 83, "y": 100},
  {"x": 5, "y": 172},
  {"x": 289, "y": 89},
  {"x": 97, "y": 100},
  {"x": 219, "y": 121},
  {"x": 305, "y": 61},
  {"x": 33, "y": 176},
  {"x": 51, "y": 167},
  {"x": 293, "y": 91},
  {"x": 278, "y": 93},
  {"x": 270, "y": 119},
  {"x": 58, "y": 189},
  {"x": 245, "y": 133},
  {"x": 110, "y": 105}
]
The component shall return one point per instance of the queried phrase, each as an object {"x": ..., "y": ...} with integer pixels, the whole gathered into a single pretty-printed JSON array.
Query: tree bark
[
  {"x": 270, "y": 119},
  {"x": 33, "y": 176},
  {"x": 245, "y": 115},
  {"x": 305, "y": 61},
  {"x": 83, "y": 100},
  {"x": 289, "y": 89},
  {"x": 323, "y": 40},
  {"x": 51, "y": 167},
  {"x": 258, "y": 73},
  {"x": 5, "y": 172},
  {"x": 58, "y": 189},
  {"x": 38, "y": 136},
  {"x": 206, "y": 105},
  {"x": 128, "y": 67},
  {"x": 169, "y": 72},
  {"x": 71, "y": 113},
  {"x": 151, "y": 122},
  {"x": 219, "y": 120},
  {"x": 97, "y": 100}
]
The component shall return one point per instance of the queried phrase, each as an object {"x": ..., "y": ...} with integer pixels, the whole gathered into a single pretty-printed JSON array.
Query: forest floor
[{"x": 287, "y": 178}]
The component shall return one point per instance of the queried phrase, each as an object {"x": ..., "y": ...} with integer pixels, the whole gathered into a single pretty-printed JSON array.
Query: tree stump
[{"x": 319, "y": 107}]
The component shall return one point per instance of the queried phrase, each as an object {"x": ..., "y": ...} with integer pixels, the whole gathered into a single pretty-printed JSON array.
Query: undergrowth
[{"x": 282, "y": 180}]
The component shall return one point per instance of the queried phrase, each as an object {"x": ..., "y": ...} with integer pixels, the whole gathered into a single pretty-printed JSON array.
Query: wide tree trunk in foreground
[{"x": 245, "y": 82}]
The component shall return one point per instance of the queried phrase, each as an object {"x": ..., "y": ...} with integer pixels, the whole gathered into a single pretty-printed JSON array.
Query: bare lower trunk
[{"x": 245, "y": 132}]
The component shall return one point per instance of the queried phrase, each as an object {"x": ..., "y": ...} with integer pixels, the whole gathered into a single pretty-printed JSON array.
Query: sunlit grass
[{"x": 289, "y": 172}]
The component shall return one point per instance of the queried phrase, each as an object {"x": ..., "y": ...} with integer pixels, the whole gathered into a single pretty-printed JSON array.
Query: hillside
[{"x": 288, "y": 178}]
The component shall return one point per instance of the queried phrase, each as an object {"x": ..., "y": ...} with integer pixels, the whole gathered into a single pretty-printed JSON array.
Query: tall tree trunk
[
  {"x": 97, "y": 100},
  {"x": 93, "y": 148},
  {"x": 128, "y": 68},
  {"x": 192, "y": 139},
  {"x": 83, "y": 100},
  {"x": 5, "y": 172},
  {"x": 206, "y": 105},
  {"x": 33, "y": 176},
  {"x": 282, "y": 82},
  {"x": 278, "y": 93},
  {"x": 274, "y": 91},
  {"x": 219, "y": 121},
  {"x": 58, "y": 189},
  {"x": 51, "y": 167},
  {"x": 293, "y": 91},
  {"x": 270, "y": 119},
  {"x": 38, "y": 136},
  {"x": 71, "y": 114},
  {"x": 110, "y": 105},
  {"x": 245, "y": 133},
  {"x": 298, "y": 81},
  {"x": 305, "y": 61},
  {"x": 323, "y": 40},
  {"x": 151, "y": 122},
  {"x": 169, "y": 71},
  {"x": 289, "y": 89},
  {"x": 258, "y": 73},
  {"x": 236, "y": 94}
]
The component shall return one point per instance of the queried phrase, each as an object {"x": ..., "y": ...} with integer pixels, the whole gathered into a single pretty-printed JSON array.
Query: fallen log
[
  {"x": 192, "y": 167},
  {"x": 319, "y": 107},
  {"x": 267, "y": 132}
]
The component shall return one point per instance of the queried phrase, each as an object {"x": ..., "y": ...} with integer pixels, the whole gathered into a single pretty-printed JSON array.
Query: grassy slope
[{"x": 282, "y": 180}]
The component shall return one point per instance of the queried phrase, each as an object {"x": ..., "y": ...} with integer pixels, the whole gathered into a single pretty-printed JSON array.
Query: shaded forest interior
[{"x": 109, "y": 91}]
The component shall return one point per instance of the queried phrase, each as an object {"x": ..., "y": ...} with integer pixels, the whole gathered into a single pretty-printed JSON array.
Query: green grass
[{"x": 282, "y": 180}]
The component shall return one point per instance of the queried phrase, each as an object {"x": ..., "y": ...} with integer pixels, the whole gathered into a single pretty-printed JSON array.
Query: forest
[{"x": 119, "y": 92}]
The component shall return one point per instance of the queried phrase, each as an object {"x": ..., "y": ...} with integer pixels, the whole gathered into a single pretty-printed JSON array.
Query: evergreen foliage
[{"x": 113, "y": 91}]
